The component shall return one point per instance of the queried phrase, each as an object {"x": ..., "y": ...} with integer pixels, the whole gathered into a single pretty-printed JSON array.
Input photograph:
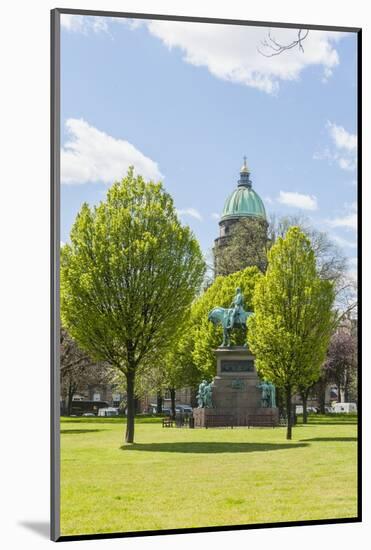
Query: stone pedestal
[{"x": 236, "y": 398}]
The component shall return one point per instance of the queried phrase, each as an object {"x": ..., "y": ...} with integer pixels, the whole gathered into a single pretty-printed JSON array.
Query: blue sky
[{"x": 185, "y": 102}]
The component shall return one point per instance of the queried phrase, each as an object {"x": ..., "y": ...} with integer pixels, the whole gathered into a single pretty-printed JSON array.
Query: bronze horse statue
[{"x": 229, "y": 318}]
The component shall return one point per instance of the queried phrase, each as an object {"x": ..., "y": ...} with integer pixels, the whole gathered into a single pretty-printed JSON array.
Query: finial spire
[
  {"x": 244, "y": 167},
  {"x": 244, "y": 174}
]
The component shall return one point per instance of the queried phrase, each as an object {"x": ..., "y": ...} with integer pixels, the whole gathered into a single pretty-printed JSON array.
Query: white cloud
[
  {"x": 344, "y": 151},
  {"x": 342, "y": 138},
  {"x": 346, "y": 163},
  {"x": 231, "y": 53},
  {"x": 84, "y": 24},
  {"x": 344, "y": 243},
  {"x": 346, "y": 145},
  {"x": 298, "y": 200},
  {"x": 348, "y": 221},
  {"x": 190, "y": 212},
  {"x": 133, "y": 24},
  {"x": 93, "y": 156},
  {"x": 215, "y": 216}
]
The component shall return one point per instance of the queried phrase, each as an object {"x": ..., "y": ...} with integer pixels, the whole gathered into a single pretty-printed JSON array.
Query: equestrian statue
[{"x": 230, "y": 318}]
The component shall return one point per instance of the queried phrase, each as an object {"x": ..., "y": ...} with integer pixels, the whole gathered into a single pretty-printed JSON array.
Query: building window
[{"x": 96, "y": 397}]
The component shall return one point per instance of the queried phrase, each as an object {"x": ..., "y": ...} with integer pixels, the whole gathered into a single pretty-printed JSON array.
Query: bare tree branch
[{"x": 276, "y": 48}]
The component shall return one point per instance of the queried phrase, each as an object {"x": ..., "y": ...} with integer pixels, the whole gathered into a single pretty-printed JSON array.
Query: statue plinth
[
  {"x": 236, "y": 397},
  {"x": 235, "y": 361}
]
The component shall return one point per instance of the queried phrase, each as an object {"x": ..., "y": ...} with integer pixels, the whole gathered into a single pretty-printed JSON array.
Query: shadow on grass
[
  {"x": 80, "y": 431},
  {"x": 330, "y": 419},
  {"x": 329, "y": 423},
  {"x": 330, "y": 439},
  {"x": 121, "y": 420},
  {"x": 96, "y": 420},
  {"x": 210, "y": 447}
]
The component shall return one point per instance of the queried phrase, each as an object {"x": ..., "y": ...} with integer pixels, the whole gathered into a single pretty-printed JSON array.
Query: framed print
[{"x": 205, "y": 180}]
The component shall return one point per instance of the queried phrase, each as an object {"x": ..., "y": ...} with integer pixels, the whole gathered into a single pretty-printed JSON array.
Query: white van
[
  {"x": 109, "y": 411},
  {"x": 344, "y": 408}
]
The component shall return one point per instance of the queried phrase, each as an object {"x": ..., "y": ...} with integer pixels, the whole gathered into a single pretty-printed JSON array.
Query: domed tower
[{"x": 243, "y": 204}]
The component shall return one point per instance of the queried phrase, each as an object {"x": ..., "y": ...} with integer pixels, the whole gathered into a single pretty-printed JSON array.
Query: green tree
[
  {"x": 128, "y": 277},
  {"x": 77, "y": 370},
  {"x": 293, "y": 321},
  {"x": 332, "y": 265},
  {"x": 330, "y": 261},
  {"x": 247, "y": 246},
  {"x": 180, "y": 370},
  {"x": 341, "y": 362}
]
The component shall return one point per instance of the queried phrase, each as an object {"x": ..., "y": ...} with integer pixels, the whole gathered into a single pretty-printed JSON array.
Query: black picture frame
[{"x": 55, "y": 252}]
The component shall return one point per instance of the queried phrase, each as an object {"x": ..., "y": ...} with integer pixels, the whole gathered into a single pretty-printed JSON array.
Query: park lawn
[{"x": 174, "y": 478}]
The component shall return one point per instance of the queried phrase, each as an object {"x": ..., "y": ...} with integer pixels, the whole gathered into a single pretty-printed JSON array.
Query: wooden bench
[
  {"x": 220, "y": 421},
  {"x": 167, "y": 422},
  {"x": 261, "y": 420}
]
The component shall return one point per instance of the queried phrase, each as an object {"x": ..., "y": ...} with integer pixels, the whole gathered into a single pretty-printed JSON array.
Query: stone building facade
[{"x": 243, "y": 203}]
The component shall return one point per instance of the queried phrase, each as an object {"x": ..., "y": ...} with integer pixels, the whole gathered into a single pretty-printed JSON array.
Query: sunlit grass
[{"x": 181, "y": 478}]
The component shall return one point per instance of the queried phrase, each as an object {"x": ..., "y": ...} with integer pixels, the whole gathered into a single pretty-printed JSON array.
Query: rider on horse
[
  {"x": 229, "y": 318},
  {"x": 236, "y": 308}
]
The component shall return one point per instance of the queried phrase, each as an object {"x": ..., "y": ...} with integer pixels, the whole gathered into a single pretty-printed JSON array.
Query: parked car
[
  {"x": 299, "y": 409},
  {"x": 186, "y": 409},
  {"x": 152, "y": 409},
  {"x": 88, "y": 414}
]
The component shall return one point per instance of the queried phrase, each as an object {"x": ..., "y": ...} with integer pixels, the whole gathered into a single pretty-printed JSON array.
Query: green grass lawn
[{"x": 180, "y": 478}]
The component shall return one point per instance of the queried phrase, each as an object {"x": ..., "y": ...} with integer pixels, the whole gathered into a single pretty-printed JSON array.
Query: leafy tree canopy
[
  {"x": 293, "y": 321},
  {"x": 128, "y": 277},
  {"x": 247, "y": 246}
]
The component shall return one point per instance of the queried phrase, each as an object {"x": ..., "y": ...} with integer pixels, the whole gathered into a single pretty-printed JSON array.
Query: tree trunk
[
  {"x": 322, "y": 398},
  {"x": 280, "y": 402},
  {"x": 339, "y": 394},
  {"x": 130, "y": 379},
  {"x": 172, "y": 397},
  {"x": 136, "y": 405},
  {"x": 289, "y": 412},
  {"x": 159, "y": 403},
  {"x": 305, "y": 412},
  {"x": 346, "y": 395},
  {"x": 304, "y": 398},
  {"x": 71, "y": 391},
  {"x": 346, "y": 387}
]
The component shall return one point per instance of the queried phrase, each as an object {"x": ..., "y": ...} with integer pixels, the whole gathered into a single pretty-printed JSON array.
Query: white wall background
[{"x": 24, "y": 271}]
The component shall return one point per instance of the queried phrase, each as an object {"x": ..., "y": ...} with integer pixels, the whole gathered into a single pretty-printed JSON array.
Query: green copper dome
[{"x": 244, "y": 201}]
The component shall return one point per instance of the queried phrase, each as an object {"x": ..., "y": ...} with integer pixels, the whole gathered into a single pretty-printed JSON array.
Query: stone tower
[{"x": 242, "y": 204}]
